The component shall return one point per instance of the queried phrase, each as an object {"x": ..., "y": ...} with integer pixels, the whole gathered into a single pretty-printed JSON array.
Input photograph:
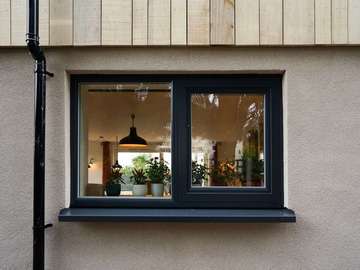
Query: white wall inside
[{"x": 95, "y": 171}]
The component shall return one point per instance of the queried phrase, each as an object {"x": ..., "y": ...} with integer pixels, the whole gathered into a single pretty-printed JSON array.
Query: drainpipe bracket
[
  {"x": 43, "y": 226},
  {"x": 50, "y": 74},
  {"x": 32, "y": 37}
]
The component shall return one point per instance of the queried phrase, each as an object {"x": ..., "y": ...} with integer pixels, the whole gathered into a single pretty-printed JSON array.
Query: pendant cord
[
  {"x": 117, "y": 148},
  {"x": 132, "y": 119}
]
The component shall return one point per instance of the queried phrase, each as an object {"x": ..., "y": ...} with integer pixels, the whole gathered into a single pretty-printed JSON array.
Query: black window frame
[{"x": 183, "y": 195}]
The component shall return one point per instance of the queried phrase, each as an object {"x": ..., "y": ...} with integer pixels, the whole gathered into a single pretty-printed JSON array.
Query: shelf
[{"x": 177, "y": 215}]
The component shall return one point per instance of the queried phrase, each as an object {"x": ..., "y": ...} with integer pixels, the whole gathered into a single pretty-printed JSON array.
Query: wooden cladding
[
  {"x": 116, "y": 22},
  {"x": 222, "y": 20},
  {"x": 185, "y": 22}
]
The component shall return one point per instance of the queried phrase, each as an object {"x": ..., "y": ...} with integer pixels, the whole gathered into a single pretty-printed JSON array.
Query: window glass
[
  {"x": 227, "y": 140},
  {"x": 125, "y": 133}
]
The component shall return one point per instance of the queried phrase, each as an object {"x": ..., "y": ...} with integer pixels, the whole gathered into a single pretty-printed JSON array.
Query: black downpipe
[{"x": 32, "y": 41}]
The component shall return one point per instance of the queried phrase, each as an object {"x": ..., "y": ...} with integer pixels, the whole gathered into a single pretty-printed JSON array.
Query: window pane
[
  {"x": 227, "y": 140},
  {"x": 125, "y": 132}
]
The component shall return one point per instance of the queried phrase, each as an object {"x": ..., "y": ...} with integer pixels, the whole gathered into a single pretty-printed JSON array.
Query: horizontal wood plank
[
  {"x": 5, "y": 22},
  {"x": 222, "y": 22},
  {"x": 299, "y": 22},
  {"x": 159, "y": 22},
  {"x": 198, "y": 22},
  {"x": 44, "y": 22},
  {"x": 18, "y": 22},
  {"x": 116, "y": 22},
  {"x": 323, "y": 21},
  {"x": 87, "y": 22},
  {"x": 354, "y": 21},
  {"x": 140, "y": 22},
  {"x": 247, "y": 22},
  {"x": 271, "y": 22},
  {"x": 178, "y": 22},
  {"x": 61, "y": 22},
  {"x": 339, "y": 22}
]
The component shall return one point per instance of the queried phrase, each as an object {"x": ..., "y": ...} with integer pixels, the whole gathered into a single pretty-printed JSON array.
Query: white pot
[
  {"x": 139, "y": 190},
  {"x": 157, "y": 190}
]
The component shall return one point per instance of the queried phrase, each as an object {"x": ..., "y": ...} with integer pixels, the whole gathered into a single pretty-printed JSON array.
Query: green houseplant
[
  {"x": 158, "y": 173},
  {"x": 199, "y": 173},
  {"x": 138, "y": 162},
  {"x": 138, "y": 177},
  {"x": 113, "y": 184},
  {"x": 252, "y": 169}
]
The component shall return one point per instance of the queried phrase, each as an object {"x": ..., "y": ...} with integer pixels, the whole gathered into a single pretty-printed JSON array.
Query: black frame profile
[{"x": 183, "y": 195}]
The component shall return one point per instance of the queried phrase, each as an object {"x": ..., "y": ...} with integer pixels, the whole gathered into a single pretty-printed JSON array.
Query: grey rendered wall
[{"x": 322, "y": 120}]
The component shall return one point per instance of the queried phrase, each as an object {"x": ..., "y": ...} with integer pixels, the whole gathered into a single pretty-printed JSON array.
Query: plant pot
[
  {"x": 168, "y": 189},
  {"x": 139, "y": 190},
  {"x": 157, "y": 190},
  {"x": 113, "y": 189},
  {"x": 218, "y": 183},
  {"x": 235, "y": 183},
  {"x": 148, "y": 186},
  {"x": 257, "y": 182}
]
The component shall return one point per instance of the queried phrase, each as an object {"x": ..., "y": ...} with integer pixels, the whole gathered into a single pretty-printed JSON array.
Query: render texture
[{"x": 322, "y": 165}]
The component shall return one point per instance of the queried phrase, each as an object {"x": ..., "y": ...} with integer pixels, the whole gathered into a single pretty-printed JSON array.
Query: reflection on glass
[
  {"x": 125, "y": 131},
  {"x": 227, "y": 140}
]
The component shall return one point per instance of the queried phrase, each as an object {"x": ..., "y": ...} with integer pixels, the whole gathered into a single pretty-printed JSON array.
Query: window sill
[{"x": 177, "y": 215}]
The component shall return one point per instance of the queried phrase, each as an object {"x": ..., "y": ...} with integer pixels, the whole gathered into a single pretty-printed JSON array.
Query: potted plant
[
  {"x": 158, "y": 173},
  {"x": 199, "y": 173},
  {"x": 138, "y": 178},
  {"x": 224, "y": 174},
  {"x": 113, "y": 184},
  {"x": 252, "y": 169}
]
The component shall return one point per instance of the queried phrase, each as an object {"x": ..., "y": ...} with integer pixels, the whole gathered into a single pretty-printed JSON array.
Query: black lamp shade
[{"x": 133, "y": 140}]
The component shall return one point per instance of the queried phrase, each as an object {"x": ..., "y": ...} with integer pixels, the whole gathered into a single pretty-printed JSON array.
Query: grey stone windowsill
[{"x": 177, "y": 215}]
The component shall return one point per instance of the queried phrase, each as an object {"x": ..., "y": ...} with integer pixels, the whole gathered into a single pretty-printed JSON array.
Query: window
[
  {"x": 124, "y": 128},
  {"x": 227, "y": 139},
  {"x": 176, "y": 141}
]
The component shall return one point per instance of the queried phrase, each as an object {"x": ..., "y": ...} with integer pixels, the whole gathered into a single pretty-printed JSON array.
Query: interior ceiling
[
  {"x": 128, "y": 86},
  {"x": 214, "y": 117}
]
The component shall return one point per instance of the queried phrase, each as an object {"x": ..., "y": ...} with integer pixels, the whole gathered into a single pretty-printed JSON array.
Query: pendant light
[
  {"x": 116, "y": 168},
  {"x": 133, "y": 140}
]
